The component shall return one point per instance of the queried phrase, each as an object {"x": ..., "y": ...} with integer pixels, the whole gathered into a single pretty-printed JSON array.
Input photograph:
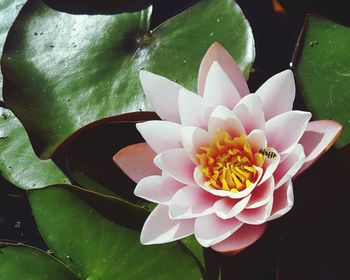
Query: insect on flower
[{"x": 267, "y": 152}]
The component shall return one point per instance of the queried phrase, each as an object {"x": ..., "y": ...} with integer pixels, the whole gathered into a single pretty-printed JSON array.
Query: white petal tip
[
  {"x": 287, "y": 73},
  {"x": 139, "y": 126},
  {"x": 144, "y": 241},
  {"x": 144, "y": 73},
  {"x": 204, "y": 243},
  {"x": 158, "y": 161},
  {"x": 215, "y": 64},
  {"x": 146, "y": 77},
  {"x": 137, "y": 191}
]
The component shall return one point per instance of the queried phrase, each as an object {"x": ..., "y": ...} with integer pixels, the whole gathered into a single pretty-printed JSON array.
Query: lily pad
[
  {"x": 129, "y": 215},
  {"x": 20, "y": 166},
  {"x": 88, "y": 183},
  {"x": 97, "y": 6},
  {"x": 96, "y": 248},
  {"x": 113, "y": 208},
  {"x": 24, "y": 262},
  {"x": 322, "y": 67},
  {"x": 64, "y": 71},
  {"x": 18, "y": 162},
  {"x": 197, "y": 250},
  {"x": 9, "y": 10}
]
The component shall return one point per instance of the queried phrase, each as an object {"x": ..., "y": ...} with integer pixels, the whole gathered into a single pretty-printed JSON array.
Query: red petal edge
[{"x": 136, "y": 161}]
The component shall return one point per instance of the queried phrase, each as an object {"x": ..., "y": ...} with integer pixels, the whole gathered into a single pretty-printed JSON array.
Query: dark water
[{"x": 16, "y": 221}]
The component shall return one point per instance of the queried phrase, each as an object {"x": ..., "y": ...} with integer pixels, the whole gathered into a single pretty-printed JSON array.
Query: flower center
[{"x": 229, "y": 163}]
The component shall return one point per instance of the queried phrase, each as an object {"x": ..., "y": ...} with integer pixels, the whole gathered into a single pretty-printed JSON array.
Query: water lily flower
[{"x": 224, "y": 158}]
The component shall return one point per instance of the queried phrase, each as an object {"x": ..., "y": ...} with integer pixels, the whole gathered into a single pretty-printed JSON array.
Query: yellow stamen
[
  {"x": 259, "y": 159},
  {"x": 228, "y": 163}
]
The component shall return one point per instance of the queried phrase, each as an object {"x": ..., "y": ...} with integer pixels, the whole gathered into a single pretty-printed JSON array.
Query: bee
[{"x": 268, "y": 152}]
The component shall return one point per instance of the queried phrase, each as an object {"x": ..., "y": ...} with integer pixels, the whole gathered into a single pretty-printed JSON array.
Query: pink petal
[
  {"x": 242, "y": 238},
  {"x": 223, "y": 193},
  {"x": 193, "y": 109},
  {"x": 159, "y": 228},
  {"x": 256, "y": 216},
  {"x": 219, "y": 89},
  {"x": 177, "y": 164},
  {"x": 192, "y": 139},
  {"x": 217, "y": 53},
  {"x": 161, "y": 135},
  {"x": 262, "y": 194},
  {"x": 136, "y": 161},
  {"x": 277, "y": 94},
  {"x": 283, "y": 200},
  {"x": 227, "y": 208},
  {"x": 257, "y": 139},
  {"x": 191, "y": 202},
  {"x": 211, "y": 229},
  {"x": 317, "y": 139},
  {"x": 225, "y": 119},
  {"x": 250, "y": 113},
  {"x": 158, "y": 189},
  {"x": 162, "y": 94},
  {"x": 284, "y": 131},
  {"x": 289, "y": 166}
]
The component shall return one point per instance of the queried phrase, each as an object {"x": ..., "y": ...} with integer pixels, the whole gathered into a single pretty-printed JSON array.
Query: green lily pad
[
  {"x": 129, "y": 215},
  {"x": 24, "y": 262},
  {"x": 322, "y": 68},
  {"x": 113, "y": 208},
  {"x": 18, "y": 162},
  {"x": 97, "y": 6},
  {"x": 9, "y": 10},
  {"x": 96, "y": 248},
  {"x": 20, "y": 166},
  {"x": 88, "y": 183},
  {"x": 64, "y": 71},
  {"x": 197, "y": 250}
]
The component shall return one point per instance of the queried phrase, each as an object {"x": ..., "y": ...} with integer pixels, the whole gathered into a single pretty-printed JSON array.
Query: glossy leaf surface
[
  {"x": 114, "y": 208},
  {"x": 96, "y": 248},
  {"x": 9, "y": 9},
  {"x": 97, "y": 6},
  {"x": 23, "y": 262},
  {"x": 85, "y": 68},
  {"x": 18, "y": 162},
  {"x": 322, "y": 67},
  {"x": 20, "y": 166}
]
